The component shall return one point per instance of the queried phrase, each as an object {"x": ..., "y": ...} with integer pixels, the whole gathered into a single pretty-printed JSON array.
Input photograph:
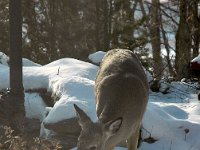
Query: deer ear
[
  {"x": 83, "y": 119},
  {"x": 113, "y": 126}
]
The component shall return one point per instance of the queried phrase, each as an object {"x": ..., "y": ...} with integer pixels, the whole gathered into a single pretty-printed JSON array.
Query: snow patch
[
  {"x": 196, "y": 59},
  {"x": 4, "y": 59},
  {"x": 27, "y": 62},
  {"x": 34, "y": 106},
  {"x": 97, "y": 57}
]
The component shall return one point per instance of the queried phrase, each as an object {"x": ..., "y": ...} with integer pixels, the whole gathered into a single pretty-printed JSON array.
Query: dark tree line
[
  {"x": 67, "y": 28},
  {"x": 187, "y": 36},
  {"x": 53, "y": 29}
]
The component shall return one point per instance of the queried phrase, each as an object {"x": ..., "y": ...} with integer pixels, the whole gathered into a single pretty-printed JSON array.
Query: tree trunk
[
  {"x": 97, "y": 25},
  {"x": 30, "y": 18},
  {"x": 183, "y": 43},
  {"x": 52, "y": 30},
  {"x": 167, "y": 47},
  {"x": 195, "y": 27},
  {"x": 16, "y": 83},
  {"x": 110, "y": 22},
  {"x": 155, "y": 39},
  {"x": 105, "y": 32}
]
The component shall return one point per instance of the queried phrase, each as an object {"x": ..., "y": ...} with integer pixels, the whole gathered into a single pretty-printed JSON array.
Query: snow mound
[
  {"x": 4, "y": 59},
  {"x": 69, "y": 79},
  {"x": 179, "y": 134},
  {"x": 97, "y": 57},
  {"x": 34, "y": 106},
  {"x": 72, "y": 90},
  {"x": 27, "y": 62},
  {"x": 196, "y": 59},
  {"x": 4, "y": 77},
  {"x": 176, "y": 112},
  {"x": 149, "y": 76}
]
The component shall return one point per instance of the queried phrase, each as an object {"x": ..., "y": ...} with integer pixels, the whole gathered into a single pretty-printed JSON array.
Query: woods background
[{"x": 54, "y": 29}]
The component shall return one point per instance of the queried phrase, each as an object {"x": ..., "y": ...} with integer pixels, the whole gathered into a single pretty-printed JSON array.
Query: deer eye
[{"x": 93, "y": 148}]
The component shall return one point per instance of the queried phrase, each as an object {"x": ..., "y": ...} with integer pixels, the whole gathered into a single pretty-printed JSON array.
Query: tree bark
[
  {"x": 167, "y": 47},
  {"x": 52, "y": 30},
  {"x": 183, "y": 43},
  {"x": 195, "y": 19},
  {"x": 16, "y": 81},
  {"x": 155, "y": 39},
  {"x": 106, "y": 24},
  {"x": 30, "y": 18},
  {"x": 97, "y": 25}
]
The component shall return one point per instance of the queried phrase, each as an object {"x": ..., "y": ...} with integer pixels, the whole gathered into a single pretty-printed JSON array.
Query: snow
[
  {"x": 96, "y": 57},
  {"x": 196, "y": 59},
  {"x": 149, "y": 76},
  {"x": 172, "y": 119},
  {"x": 69, "y": 79},
  {"x": 4, "y": 77},
  {"x": 73, "y": 90},
  {"x": 168, "y": 124},
  {"x": 27, "y": 62},
  {"x": 161, "y": 1},
  {"x": 4, "y": 58},
  {"x": 34, "y": 106}
]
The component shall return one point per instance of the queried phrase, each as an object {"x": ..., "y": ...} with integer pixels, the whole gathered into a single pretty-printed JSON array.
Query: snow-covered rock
[
  {"x": 97, "y": 57},
  {"x": 4, "y": 59},
  {"x": 166, "y": 119},
  {"x": 27, "y": 62},
  {"x": 196, "y": 59}
]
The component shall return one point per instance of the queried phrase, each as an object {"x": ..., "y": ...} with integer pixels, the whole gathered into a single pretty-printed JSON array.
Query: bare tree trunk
[
  {"x": 30, "y": 18},
  {"x": 16, "y": 84},
  {"x": 106, "y": 24},
  {"x": 155, "y": 39},
  {"x": 167, "y": 47},
  {"x": 110, "y": 20},
  {"x": 195, "y": 19},
  {"x": 97, "y": 25},
  {"x": 183, "y": 43},
  {"x": 52, "y": 28}
]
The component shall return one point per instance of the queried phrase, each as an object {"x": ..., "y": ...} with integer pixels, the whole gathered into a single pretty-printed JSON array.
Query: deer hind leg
[{"x": 132, "y": 142}]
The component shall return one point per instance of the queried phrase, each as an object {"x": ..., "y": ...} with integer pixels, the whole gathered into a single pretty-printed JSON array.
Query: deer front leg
[{"x": 132, "y": 142}]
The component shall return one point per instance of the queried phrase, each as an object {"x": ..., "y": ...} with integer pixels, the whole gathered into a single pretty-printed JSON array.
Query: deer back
[{"x": 121, "y": 89}]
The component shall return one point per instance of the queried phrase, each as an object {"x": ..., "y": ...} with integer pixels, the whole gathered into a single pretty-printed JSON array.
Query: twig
[
  {"x": 58, "y": 71},
  {"x": 147, "y": 130}
]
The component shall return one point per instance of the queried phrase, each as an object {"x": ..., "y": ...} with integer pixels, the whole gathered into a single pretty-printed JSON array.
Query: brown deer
[{"x": 121, "y": 97}]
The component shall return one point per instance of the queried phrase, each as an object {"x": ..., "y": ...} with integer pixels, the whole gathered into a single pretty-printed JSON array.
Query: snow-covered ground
[
  {"x": 172, "y": 119},
  {"x": 196, "y": 59}
]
